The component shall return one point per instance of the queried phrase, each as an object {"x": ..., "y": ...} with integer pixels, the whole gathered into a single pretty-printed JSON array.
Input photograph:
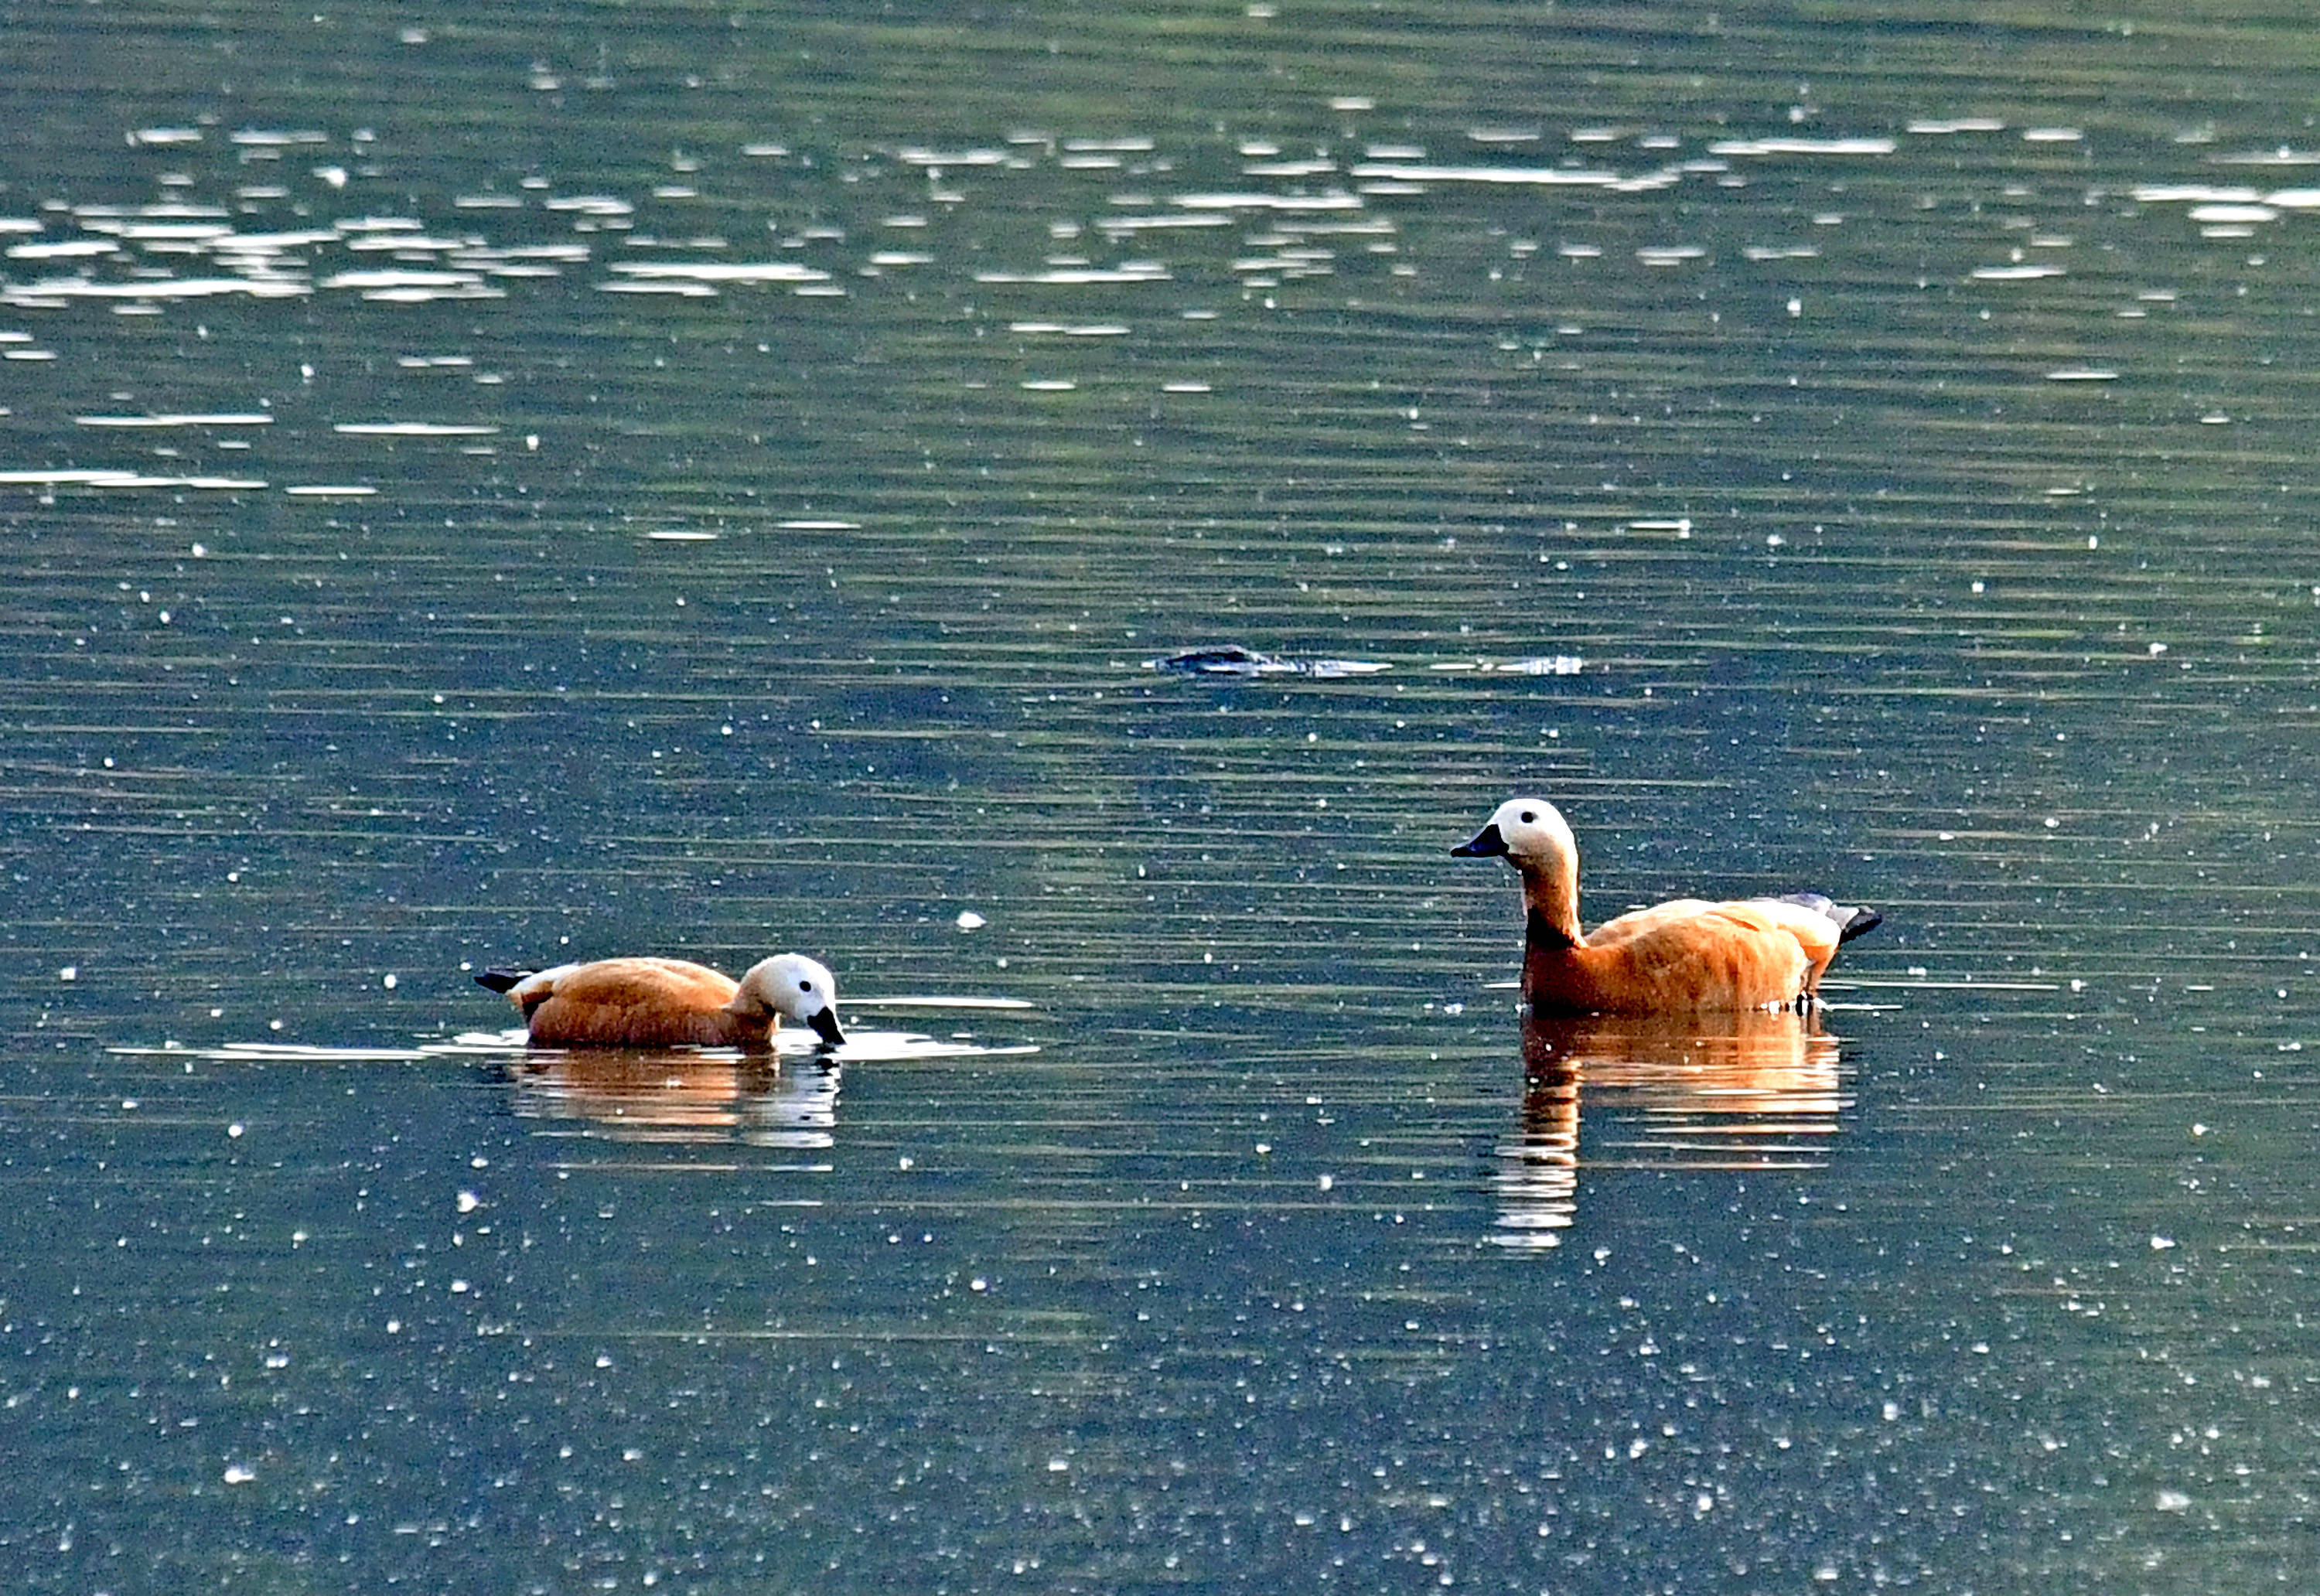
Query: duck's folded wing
[
  {"x": 1693, "y": 955},
  {"x": 628, "y": 1003},
  {"x": 634, "y": 982},
  {"x": 1659, "y": 918},
  {"x": 1815, "y": 932},
  {"x": 622, "y": 982},
  {"x": 1697, "y": 926}
]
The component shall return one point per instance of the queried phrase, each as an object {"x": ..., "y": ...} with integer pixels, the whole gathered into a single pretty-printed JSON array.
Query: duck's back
[
  {"x": 1688, "y": 954},
  {"x": 635, "y": 1003}
]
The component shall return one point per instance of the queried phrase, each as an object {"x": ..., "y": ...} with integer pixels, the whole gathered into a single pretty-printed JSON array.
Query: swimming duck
[
  {"x": 670, "y": 1002},
  {"x": 1685, "y": 955}
]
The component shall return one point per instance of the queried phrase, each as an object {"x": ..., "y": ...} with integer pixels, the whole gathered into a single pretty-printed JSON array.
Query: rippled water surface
[{"x": 487, "y": 486}]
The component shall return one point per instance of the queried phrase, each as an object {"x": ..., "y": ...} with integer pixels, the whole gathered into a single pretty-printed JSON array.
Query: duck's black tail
[{"x": 1849, "y": 922}]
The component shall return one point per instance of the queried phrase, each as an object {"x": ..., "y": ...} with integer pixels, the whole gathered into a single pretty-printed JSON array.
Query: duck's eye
[
  {"x": 805, "y": 987},
  {"x": 1528, "y": 817}
]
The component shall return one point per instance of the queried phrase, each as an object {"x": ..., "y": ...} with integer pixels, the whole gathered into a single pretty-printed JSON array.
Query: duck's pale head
[
  {"x": 794, "y": 988},
  {"x": 1528, "y": 833}
]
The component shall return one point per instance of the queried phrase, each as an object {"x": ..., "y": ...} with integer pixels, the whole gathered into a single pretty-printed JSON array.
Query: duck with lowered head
[
  {"x": 671, "y": 1003},
  {"x": 1685, "y": 956}
]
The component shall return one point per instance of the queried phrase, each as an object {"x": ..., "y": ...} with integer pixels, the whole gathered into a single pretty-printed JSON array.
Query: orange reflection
[
  {"x": 682, "y": 1095},
  {"x": 1761, "y": 1089}
]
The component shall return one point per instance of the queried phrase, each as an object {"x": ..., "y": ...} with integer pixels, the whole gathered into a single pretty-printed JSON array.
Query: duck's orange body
[
  {"x": 1687, "y": 956},
  {"x": 669, "y": 1002}
]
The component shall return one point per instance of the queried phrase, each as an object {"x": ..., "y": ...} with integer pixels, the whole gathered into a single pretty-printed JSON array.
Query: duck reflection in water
[
  {"x": 1751, "y": 1089},
  {"x": 680, "y": 1095}
]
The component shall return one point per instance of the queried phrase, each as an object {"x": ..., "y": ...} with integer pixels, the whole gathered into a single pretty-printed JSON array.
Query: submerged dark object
[{"x": 1231, "y": 659}]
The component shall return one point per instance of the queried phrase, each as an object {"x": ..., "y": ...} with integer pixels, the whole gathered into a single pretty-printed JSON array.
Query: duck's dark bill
[{"x": 1486, "y": 845}]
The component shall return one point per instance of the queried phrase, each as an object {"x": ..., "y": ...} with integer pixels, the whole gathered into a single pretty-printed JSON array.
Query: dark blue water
[{"x": 508, "y": 487}]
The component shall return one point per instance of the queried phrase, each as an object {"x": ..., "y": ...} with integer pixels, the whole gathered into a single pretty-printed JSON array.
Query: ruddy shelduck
[
  {"x": 671, "y": 1003},
  {"x": 1688, "y": 955}
]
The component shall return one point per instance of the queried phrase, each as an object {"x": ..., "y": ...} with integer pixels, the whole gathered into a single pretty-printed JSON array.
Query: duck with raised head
[
  {"x": 1687, "y": 956},
  {"x": 671, "y": 1003}
]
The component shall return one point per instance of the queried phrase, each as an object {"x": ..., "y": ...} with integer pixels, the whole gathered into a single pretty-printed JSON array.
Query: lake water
[{"x": 497, "y": 485}]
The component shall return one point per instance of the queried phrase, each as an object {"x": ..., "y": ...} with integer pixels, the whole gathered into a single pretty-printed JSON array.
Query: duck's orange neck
[
  {"x": 1551, "y": 900},
  {"x": 1539, "y": 931}
]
